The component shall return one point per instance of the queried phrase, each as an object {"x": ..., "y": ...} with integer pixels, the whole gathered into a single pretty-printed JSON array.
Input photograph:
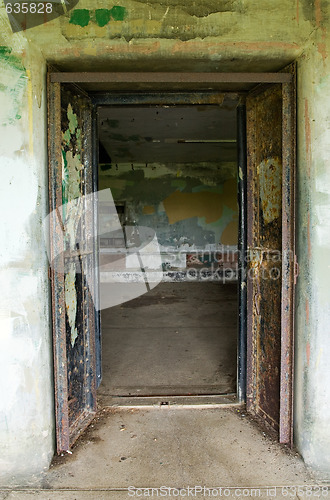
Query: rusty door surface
[
  {"x": 72, "y": 244},
  {"x": 270, "y": 198}
]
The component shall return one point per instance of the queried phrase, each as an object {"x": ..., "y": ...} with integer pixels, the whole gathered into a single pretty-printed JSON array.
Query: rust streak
[
  {"x": 318, "y": 13},
  {"x": 212, "y": 48},
  {"x": 308, "y": 137},
  {"x": 322, "y": 48},
  {"x": 297, "y": 14},
  {"x": 308, "y": 352},
  {"x": 309, "y": 245},
  {"x": 307, "y": 311},
  {"x": 145, "y": 48}
]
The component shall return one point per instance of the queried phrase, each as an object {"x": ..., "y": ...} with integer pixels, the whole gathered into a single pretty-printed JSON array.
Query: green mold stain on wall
[
  {"x": 14, "y": 61},
  {"x": 13, "y": 80},
  {"x": 80, "y": 17}
]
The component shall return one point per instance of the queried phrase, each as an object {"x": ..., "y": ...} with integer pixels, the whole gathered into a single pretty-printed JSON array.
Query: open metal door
[
  {"x": 72, "y": 257},
  {"x": 270, "y": 285}
]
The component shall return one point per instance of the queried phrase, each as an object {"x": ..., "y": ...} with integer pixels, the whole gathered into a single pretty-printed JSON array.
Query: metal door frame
[
  {"x": 66, "y": 434},
  {"x": 204, "y": 97}
]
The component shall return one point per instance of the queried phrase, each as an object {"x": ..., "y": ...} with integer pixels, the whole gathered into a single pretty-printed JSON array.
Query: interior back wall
[{"x": 186, "y": 204}]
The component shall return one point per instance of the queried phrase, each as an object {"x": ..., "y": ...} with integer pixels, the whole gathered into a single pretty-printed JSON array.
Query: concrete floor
[
  {"x": 193, "y": 345},
  {"x": 172, "y": 447},
  {"x": 180, "y": 338}
]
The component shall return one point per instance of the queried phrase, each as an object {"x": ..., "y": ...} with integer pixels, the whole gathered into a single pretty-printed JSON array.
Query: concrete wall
[
  {"x": 312, "y": 391},
  {"x": 26, "y": 403},
  {"x": 239, "y": 35}
]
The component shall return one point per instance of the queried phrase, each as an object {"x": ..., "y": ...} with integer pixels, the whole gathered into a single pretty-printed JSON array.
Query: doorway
[
  {"x": 76, "y": 341},
  {"x": 172, "y": 169}
]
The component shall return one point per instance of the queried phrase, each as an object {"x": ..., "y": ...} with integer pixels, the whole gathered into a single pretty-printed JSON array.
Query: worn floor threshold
[{"x": 209, "y": 401}]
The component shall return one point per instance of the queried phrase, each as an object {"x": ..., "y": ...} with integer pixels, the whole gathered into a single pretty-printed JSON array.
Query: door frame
[
  {"x": 68, "y": 431},
  {"x": 207, "y": 97}
]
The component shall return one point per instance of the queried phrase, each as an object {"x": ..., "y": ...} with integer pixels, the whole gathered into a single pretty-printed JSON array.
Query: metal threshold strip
[
  {"x": 149, "y": 77},
  {"x": 210, "y": 400}
]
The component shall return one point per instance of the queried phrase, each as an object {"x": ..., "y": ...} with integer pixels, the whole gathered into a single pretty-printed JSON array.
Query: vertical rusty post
[
  {"x": 89, "y": 359},
  {"x": 242, "y": 251},
  {"x": 57, "y": 273},
  {"x": 252, "y": 235},
  {"x": 95, "y": 167},
  {"x": 288, "y": 263}
]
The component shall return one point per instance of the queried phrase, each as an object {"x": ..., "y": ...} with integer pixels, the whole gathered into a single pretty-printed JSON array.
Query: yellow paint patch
[
  {"x": 116, "y": 183},
  {"x": 90, "y": 51},
  {"x": 181, "y": 206},
  {"x": 148, "y": 209},
  {"x": 153, "y": 26},
  {"x": 319, "y": 358},
  {"x": 229, "y": 195},
  {"x": 230, "y": 234}
]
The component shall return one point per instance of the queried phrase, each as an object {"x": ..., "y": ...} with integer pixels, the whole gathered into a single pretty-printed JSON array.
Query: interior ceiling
[
  {"x": 168, "y": 134},
  {"x": 100, "y": 87},
  {"x": 240, "y": 62}
]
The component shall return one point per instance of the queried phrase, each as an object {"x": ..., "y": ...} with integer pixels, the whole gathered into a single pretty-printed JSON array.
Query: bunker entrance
[{"x": 186, "y": 261}]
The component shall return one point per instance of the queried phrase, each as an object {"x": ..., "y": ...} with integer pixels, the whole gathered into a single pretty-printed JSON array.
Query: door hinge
[
  {"x": 296, "y": 269},
  {"x": 49, "y": 273}
]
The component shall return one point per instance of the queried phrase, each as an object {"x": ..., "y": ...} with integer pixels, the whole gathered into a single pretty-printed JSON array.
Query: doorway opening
[
  {"x": 173, "y": 169},
  {"x": 179, "y": 203}
]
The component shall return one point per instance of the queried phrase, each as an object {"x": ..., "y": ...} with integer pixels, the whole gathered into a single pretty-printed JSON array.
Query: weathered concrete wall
[
  {"x": 254, "y": 34},
  {"x": 26, "y": 403},
  {"x": 312, "y": 393},
  {"x": 242, "y": 35}
]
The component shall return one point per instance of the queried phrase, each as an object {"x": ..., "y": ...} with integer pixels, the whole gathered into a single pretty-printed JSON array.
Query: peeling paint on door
[
  {"x": 71, "y": 300},
  {"x": 270, "y": 177}
]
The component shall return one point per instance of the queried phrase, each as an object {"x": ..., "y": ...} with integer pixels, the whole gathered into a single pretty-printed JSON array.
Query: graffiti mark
[
  {"x": 118, "y": 13},
  {"x": 82, "y": 17},
  {"x": 102, "y": 17}
]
